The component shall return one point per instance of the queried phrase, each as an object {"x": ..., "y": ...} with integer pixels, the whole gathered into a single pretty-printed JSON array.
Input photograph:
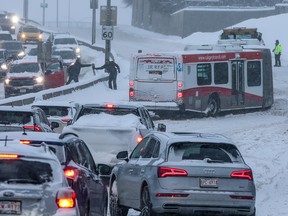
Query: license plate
[
  {"x": 22, "y": 90},
  {"x": 10, "y": 207},
  {"x": 208, "y": 182}
]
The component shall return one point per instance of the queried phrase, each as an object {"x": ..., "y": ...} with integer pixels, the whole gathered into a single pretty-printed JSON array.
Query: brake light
[
  {"x": 139, "y": 139},
  {"x": 131, "y": 83},
  {"x": 66, "y": 198},
  {"x": 242, "y": 174},
  {"x": 66, "y": 119},
  {"x": 9, "y": 156},
  {"x": 109, "y": 106},
  {"x": 26, "y": 142},
  {"x": 180, "y": 84},
  {"x": 71, "y": 173},
  {"x": 180, "y": 95},
  {"x": 131, "y": 92},
  {"x": 34, "y": 128},
  {"x": 168, "y": 171},
  {"x": 242, "y": 197}
]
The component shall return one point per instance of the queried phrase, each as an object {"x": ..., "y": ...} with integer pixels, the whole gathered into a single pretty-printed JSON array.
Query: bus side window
[
  {"x": 204, "y": 74},
  {"x": 253, "y": 73}
]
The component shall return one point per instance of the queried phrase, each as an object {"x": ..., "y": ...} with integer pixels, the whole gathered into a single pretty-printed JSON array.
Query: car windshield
[
  {"x": 56, "y": 110},
  {"x": 65, "y": 54},
  {"x": 25, "y": 172},
  {"x": 30, "y": 29},
  {"x": 64, "y": 41},
  {"x": 15, "y": 117},
  {"x": 25, "y": 67},
  {"x": 223, "y": 153},
  {"x": 5, "y": 37},
  {"x": 12, "y": 46}
]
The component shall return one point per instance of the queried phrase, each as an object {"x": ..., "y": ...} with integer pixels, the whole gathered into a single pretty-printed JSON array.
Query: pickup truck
[{"x": 109, "y": 128}]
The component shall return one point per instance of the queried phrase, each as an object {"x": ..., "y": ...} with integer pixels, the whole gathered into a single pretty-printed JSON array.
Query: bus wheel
[{"x": 213, "y": 107}]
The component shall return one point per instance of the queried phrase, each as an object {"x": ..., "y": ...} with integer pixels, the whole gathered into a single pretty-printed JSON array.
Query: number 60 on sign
[{"x": 107, "y": 32}]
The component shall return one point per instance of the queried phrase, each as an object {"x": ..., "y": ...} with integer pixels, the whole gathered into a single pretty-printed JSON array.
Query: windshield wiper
[
  {"x": 23, "y": 181},
  {"x": 208, "y": 160}
]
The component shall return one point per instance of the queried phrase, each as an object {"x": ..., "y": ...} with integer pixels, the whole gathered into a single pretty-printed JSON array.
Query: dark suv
[
  {"x": 17, "y": 118},
  {"x": 79, "y": 167}
]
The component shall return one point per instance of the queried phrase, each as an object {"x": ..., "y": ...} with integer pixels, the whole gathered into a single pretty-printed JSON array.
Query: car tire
[
  {"x": 146, "y": 205},
  {"x": 114, "y": 207}
]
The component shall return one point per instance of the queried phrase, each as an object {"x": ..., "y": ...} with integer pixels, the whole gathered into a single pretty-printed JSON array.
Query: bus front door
[{"x": 237, "y": 88}]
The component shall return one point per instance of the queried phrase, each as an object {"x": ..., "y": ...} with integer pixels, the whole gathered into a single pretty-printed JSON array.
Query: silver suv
[
  {"x": 183, "y": 173},
  {"x": 32, "y": 182}
]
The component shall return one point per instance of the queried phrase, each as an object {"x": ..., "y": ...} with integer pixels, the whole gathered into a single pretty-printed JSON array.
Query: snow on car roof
[
  {"x": 30, "y": 135},
  {"x": 54, "y": 103},
  {"x": 107, "y": 120},
  {"x": 16, "y": 108}
]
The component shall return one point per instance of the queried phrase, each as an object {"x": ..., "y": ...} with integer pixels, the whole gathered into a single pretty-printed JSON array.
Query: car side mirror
[
  {"x": 69, "y": 122},
  {"x": 123, "y": 155},
  {"x": 161, "y": 127},
  {"x": 104, "y": 169},
  {"x": 54, "y": 125},
  {"x": 48, "y": 72}
]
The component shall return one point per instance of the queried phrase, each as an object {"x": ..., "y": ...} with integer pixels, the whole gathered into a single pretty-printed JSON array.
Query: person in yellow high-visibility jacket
[{"x": 277, "y": 52}]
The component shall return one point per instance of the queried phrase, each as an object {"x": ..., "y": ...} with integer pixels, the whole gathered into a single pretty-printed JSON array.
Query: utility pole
[
  {"x": 25, "y": 11},
  {"x": 44, "y": 6},
  {"x": 57, "y": 14},
  {"x": 93, "y": 6},
  {"x": 108, "y": 23}
]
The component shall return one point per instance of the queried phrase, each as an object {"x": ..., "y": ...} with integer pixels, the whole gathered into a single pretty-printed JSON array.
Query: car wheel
[
  {"x": 146, "y": 205},
  {"x": 213, "y": 107},
  {"x": 114, "y": 207}
]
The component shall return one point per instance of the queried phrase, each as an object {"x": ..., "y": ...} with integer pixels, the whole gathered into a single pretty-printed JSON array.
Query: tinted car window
[
  {"x": 86, "y": 159},
  {"x": 96, "y": 110},
  {"x": 25, "y": 171},
  {"x": 55, "y": 110},
  {"x": 139, "y": 149},
  {"x": 16, "y": 117},
  {"x": 64, "y": 41}
]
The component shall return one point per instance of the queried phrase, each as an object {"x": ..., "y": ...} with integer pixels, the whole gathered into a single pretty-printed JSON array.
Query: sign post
[
  {"x": 44, "y": 5},
  {"x": 93, "y": 6}
]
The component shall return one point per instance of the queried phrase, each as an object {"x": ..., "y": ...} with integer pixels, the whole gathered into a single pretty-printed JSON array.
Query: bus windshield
[{"x": 156, "y": 68}]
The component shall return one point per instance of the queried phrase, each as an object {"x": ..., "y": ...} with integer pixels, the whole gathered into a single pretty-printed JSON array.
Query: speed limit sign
[{"x": 107, "y": 32}]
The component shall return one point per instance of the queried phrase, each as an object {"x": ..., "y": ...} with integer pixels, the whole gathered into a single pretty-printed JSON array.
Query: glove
[{"x": 93, "y": 66}]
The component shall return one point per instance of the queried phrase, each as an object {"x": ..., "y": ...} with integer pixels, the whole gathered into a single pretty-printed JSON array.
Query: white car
[
  {"x": 32, "y": 182},
  {"x": 56, "y": 111},
  {"x": 109, "y": 128},
  {"x": 65, "y": 41},
  {"x": 67, "y": 54}
]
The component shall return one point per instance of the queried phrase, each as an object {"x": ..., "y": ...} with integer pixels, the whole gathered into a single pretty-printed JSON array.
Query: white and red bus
[{"x": 208, "y": 79}]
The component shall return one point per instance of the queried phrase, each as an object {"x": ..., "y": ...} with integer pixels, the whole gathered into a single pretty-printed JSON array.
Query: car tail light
[
  {"x": 110, "y": 106},
  {"x": 66, "y": 198},
  {"x": 34, "y": 128},
  {"x": 66, "y": 119},
  {"x": 26, "y": 142},
  {"x": 242, "y": 197},
  {"x": 180, "y": 85},
  {"x": 131, "y": 92},
  {"x": 71, "y": 173},
  {"x": 242, "y": 174},
  {"x": 139, "y": 139},
  {"x": 131, "y": 83},
  {"x": 179, "y": 95},
  {"x": 168, "y": 171},
  {"x": 9, "y": 156}
]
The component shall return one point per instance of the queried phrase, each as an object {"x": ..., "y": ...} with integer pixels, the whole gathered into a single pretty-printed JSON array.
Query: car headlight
[
  {"x": 21, "y": 54},
  {"x": 23, "y": 35},
  {"x": 77, "y": 50},
  {"x": 15, "y": 19},
  {"x": 4, "y": 67},
  {"x": 39, "y": 79},
  {"x": 40, "y": 36},
  {"x": 7, "y": 81}
]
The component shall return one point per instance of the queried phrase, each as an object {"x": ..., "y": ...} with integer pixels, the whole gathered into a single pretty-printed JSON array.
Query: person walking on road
[
  {"x": 113, "y": 69},
  {"x": 74, "y": 70},
  {"x": 277, "y": 52}
]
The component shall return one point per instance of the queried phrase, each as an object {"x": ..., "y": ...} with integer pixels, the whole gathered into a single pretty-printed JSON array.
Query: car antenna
[{"x": 6, "y": 139}]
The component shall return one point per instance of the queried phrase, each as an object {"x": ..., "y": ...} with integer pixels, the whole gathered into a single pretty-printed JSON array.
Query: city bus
[{"x": 205, "y": 79}]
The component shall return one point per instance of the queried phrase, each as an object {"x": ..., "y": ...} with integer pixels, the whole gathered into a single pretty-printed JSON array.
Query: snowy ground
[{"x": 260, "y": 136}]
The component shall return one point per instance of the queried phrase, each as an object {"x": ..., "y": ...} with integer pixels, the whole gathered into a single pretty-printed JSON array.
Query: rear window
[
  {"x": 5, "y": 37},
  {"x": 222, "y": 153},
  {"x": 64, "y": 41},
  {"x": 98, "y": 110},
  {"x": 12, "y": 46},
  {"x": 26, "y": 171},
  {"x": 14, "y": 117},
  {"x": 55, "y": 110},
  {"x": 156, "y": 69}
]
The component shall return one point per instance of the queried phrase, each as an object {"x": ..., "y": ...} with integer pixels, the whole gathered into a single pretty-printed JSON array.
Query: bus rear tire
[{"x": 213, "y": 107}]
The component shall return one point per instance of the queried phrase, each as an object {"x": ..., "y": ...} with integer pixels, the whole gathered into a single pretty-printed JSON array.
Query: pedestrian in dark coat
[
  {"x": 74, "y": 70},
  {"x": 113, "y": 69}
]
